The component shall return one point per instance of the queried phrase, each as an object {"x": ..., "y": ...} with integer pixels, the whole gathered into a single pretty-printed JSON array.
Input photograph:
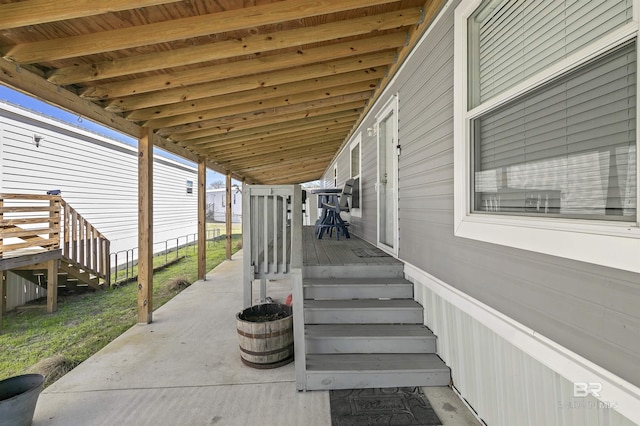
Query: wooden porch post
[
  {"x": 145, "y": 227},
  {"x": 228, "y": 215},
  {"x": 202, "y": 219},
  {"x": 52, "y": 285},
  {"x": 3, "y": 295}
]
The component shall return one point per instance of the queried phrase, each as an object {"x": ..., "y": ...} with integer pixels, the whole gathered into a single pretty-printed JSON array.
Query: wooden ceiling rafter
[
  {"x": 205, "y": 127},
  {"x": 355, "y": 91},
  {"x": 170, "y": 97},
  {"x": 381, "y": 53},
  {"x": 300, "y": 126},
  {"x": 35, "y": 12},
  {"x": 235, "y": 47},
  {"x": 276, "y": 146},
  {"x": 256, "y": 95},
  {"x": 266, "y": 140},
  {"x": 176, "y": 29},
  {"x": 268, "y": 90}
]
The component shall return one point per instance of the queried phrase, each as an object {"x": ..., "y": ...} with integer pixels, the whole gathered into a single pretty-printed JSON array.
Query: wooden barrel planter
[{"x": 266, "y": 335}]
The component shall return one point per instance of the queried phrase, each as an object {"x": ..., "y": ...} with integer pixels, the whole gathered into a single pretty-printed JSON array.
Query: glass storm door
[{"x": 387, "y": 179}]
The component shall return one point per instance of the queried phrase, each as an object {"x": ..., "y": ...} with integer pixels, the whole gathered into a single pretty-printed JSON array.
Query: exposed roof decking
[{"x": 216, "y": 80}]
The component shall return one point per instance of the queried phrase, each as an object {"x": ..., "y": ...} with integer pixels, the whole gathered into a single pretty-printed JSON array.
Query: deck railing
[
  {"x": 37, "y": 223},
  {"x": 85, "y": 246},
  {"x": 272, "y": 246}
]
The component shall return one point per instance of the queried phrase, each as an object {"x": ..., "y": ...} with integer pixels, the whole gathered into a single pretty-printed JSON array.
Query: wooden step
[
  {"x": 369, "y": 338},
  {"x": 363, "y": 311},
  {"x": 357, "y": 288},
  {"x": 381, "y": 270},
  {"x": 357, "y": 371}
]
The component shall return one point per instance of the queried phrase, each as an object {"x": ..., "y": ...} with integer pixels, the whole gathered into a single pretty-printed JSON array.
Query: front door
[{"x": 387, "y": 129}]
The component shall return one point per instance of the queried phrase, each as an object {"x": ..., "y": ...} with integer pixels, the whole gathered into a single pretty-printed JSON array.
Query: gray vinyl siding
[
  {"x": 97, "y": 177},
  {"x": 589, "y": 309}
]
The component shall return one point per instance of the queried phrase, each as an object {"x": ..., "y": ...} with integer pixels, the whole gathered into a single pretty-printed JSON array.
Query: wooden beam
[
  {"x": 1, "y": 246},
  {"x": 275, "y": 141},
  {"x": 202, "y": 219},
  {"x": 301, "y": 176},
  {"x": 278, "y": 163},
  {"x": 3, "y": 296},
  {"x": 33, "y": 85},
  {"x": 247, "y": 121},
  {"x": 9, "y": 263},
  {"x": 178, "y": 29},
  {"x": 52, "y": 286},
  {"x": 286, "y": 103},
  {"x": 378, "y": 48},
  {"x": 145, "y": 228},
  {"x": 277, "y": 147},
  {"x": 283, "y": 92},
  {"x": 431, "y": 8},
  {"x": 244, "y": 89},
  {"x": 223, "y": 109},
  {"x": 27, "y": 82},
  {"x": 292, "y": 126},
  {"x": 228, "y": 216},
  {"x": 36, "y": 12},
  {"x": 235, "y": 47}
]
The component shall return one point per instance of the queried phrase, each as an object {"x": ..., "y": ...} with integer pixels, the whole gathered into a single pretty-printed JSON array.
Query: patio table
[{"x": 330, "y": 217}]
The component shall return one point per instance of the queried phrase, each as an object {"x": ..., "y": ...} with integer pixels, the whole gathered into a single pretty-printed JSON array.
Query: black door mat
[
  {"x": 387, "y": 406},
  {"x": 369, "y": 252}
]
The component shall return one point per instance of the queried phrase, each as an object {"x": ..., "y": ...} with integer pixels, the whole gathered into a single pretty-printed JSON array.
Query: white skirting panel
[{"x": 513, "y": 376}]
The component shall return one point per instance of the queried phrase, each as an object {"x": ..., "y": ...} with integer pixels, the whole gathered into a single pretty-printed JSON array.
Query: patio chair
[{"x": 332, "y": 213}]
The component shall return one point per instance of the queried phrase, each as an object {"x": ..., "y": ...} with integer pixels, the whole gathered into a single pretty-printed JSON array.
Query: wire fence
[{"x": 164, "y": 253}]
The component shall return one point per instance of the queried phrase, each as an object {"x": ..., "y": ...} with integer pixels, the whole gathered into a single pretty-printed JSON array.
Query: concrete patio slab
[{"x": 185, "y": 369}]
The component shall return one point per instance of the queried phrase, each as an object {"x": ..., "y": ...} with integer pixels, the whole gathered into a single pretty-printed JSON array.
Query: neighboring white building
[
  {"x": 97, "y": 177},
  {"x": 216, "y": 204}
]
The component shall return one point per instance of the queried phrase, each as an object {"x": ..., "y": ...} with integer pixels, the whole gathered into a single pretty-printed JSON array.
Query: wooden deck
[{"x": 351, "y": 251}]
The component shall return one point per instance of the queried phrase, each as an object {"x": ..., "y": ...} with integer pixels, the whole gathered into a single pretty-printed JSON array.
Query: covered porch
[{"x": 185, "y": 368}]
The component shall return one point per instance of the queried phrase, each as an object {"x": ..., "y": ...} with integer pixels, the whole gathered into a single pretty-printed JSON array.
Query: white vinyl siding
[{"x": 97, "y": 177}]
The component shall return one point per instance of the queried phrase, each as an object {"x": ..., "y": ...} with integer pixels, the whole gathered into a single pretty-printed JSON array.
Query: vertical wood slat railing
[
  {"x": 272, "y": 249},
  {"x": 85, "y": 246},
  {"x": 31, "y": 223}
]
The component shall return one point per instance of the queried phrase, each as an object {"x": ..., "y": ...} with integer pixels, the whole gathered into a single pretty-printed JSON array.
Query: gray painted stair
[
  {"x": 354, "y": 371},
  {"x": 363, "y": 329},
  {"x": 369, "y": 338},
  {"x": 363, "y": 311},
  {"x": 358, "y": 288},
  {"x": 388, "y": 270}
]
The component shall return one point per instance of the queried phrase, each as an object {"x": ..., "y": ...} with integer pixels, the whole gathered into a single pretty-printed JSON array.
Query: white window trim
[
  {"x": 356, "y": 212},
  {"x": 612, "y": 244}
]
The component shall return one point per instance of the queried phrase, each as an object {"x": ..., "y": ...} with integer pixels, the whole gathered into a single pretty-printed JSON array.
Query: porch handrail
[
  {"x": 272, "y": 246},
  {"x": 84, "y": 245},
  {"x": 271, "y": 232},
  {"x": 41, "y": 227},
  {"x": 29, "y": 219}
]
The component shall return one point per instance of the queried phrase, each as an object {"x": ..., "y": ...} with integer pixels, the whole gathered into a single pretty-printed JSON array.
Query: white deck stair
[{"x": 367, "y": 332}]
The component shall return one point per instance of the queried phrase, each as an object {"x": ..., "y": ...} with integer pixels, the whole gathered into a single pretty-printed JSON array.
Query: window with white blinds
[
  {"x": 566, "y": 149},
  {"x": 512, "y": 40}
]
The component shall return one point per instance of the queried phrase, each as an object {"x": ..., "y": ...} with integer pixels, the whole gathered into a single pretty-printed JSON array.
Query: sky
[{"x": 33, "y": 104}]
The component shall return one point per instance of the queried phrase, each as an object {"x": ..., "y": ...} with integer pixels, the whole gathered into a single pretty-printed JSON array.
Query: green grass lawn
[{"x": 52, "y": 344}]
